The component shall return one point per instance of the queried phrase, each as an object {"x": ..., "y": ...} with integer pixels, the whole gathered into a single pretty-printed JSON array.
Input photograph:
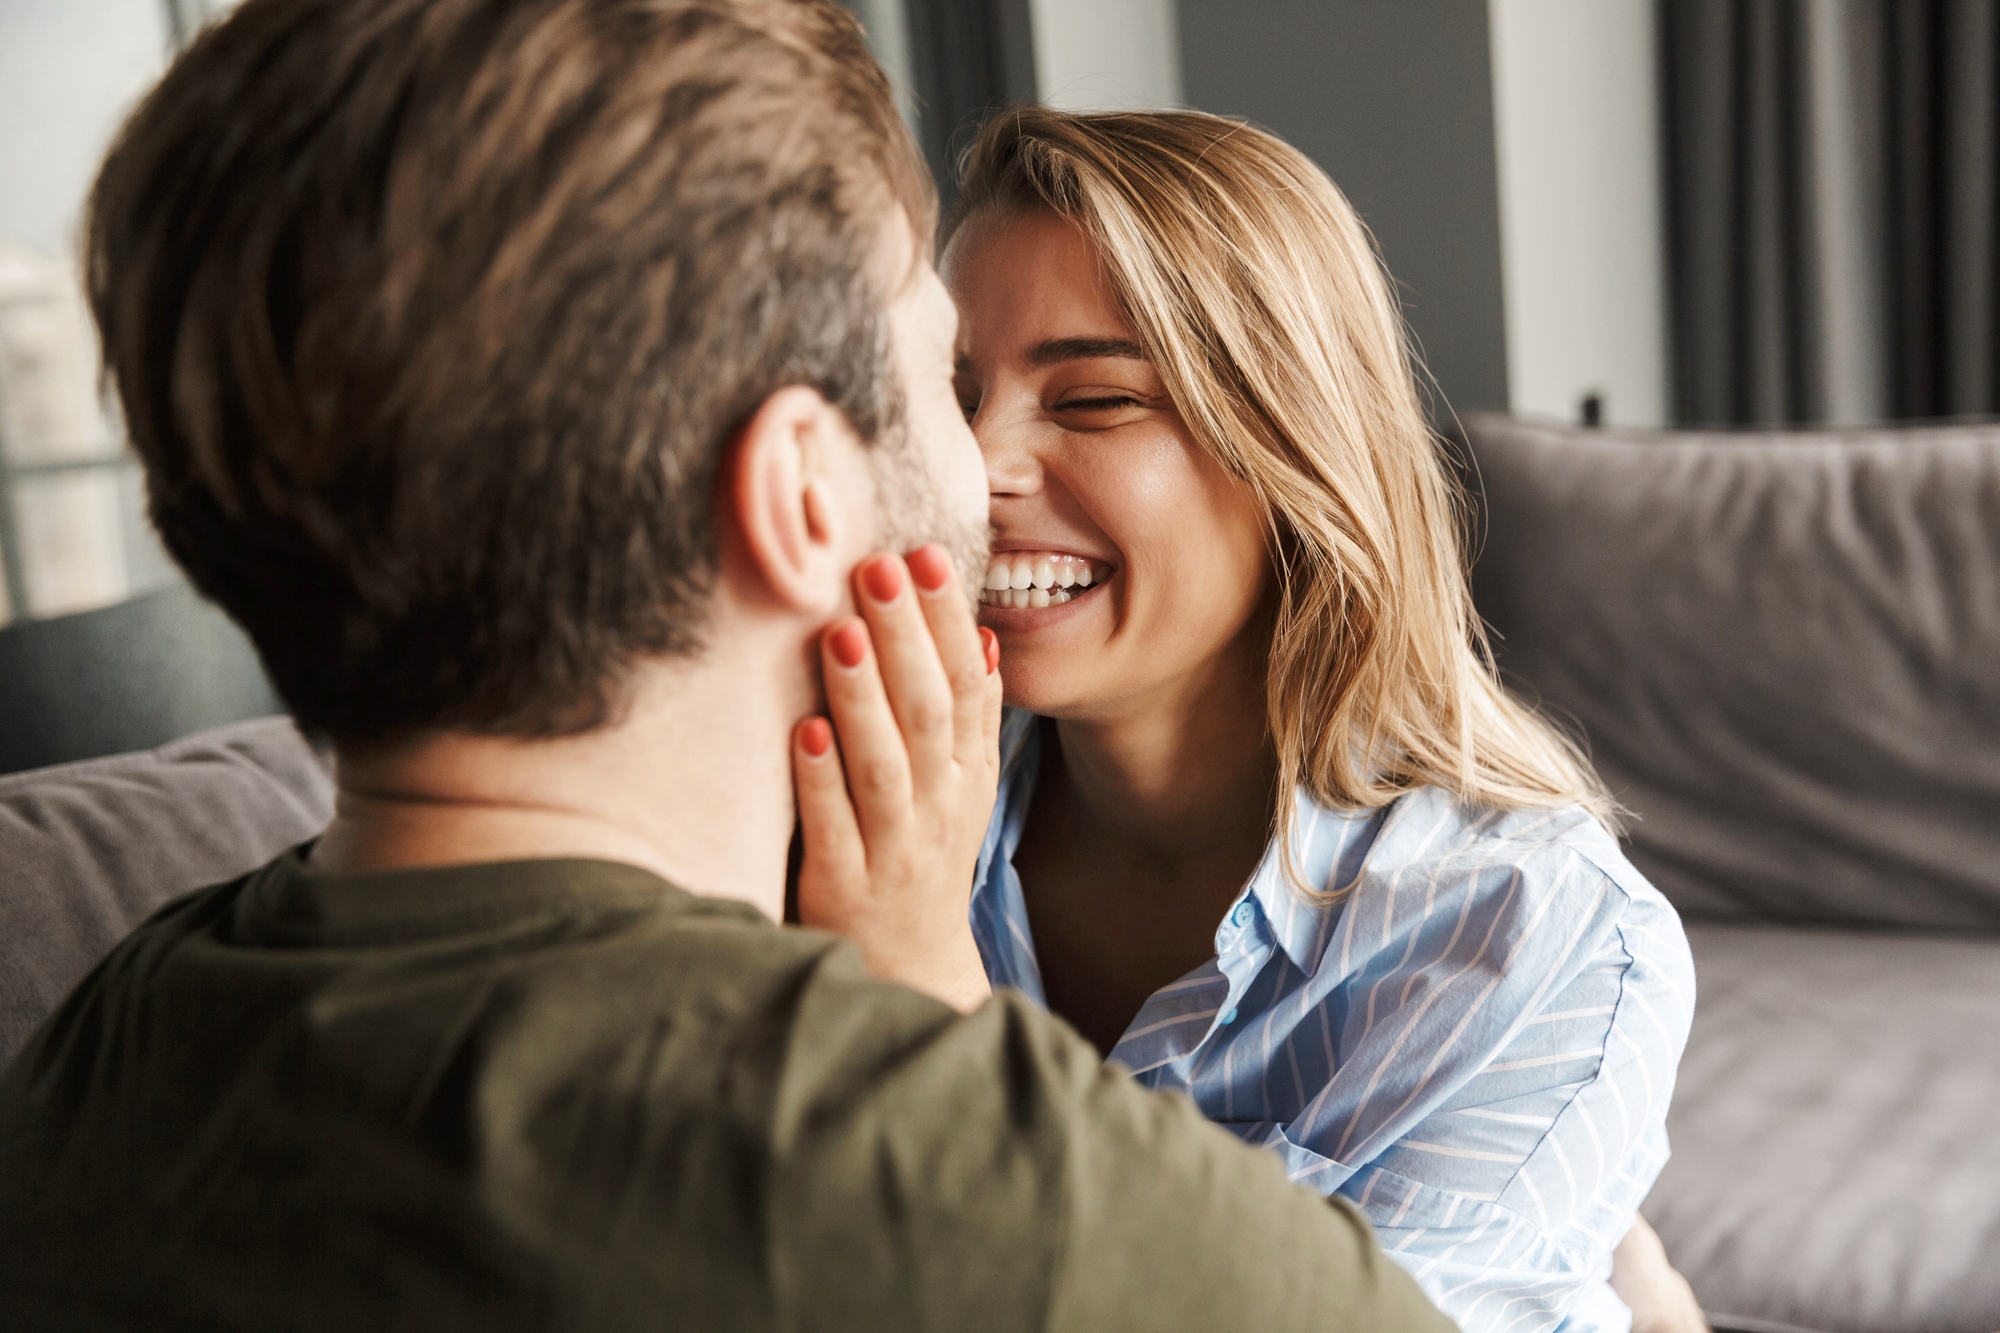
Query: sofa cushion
[
  {"x": 1783, "y": 651},
  {"x": 1836, "y": 1145},
  {"x": 127, "y": 677},
  {"x": 92, "y": 849}
]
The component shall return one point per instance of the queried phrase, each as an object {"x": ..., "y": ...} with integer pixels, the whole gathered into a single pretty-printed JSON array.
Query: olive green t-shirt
[{"x": 566, "y": 1095}]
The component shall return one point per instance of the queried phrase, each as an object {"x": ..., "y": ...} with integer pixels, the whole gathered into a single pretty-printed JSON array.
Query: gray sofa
[
  {"x": 128, "y": 677},
  {"x": 1785, "y": 654},
  {"x": 88, "y": 850}
]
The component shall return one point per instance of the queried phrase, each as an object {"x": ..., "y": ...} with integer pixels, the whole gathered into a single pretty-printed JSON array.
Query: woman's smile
[
  {"x": 1041, "y": 580},
  {"x": 1126, "y": 560}
]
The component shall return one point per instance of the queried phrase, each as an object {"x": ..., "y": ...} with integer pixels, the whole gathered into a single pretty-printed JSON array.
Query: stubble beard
[{"x": 914, "y": 512}]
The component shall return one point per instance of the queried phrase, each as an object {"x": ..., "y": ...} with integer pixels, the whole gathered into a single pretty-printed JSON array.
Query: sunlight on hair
[{"x": 1262, "y": 301}]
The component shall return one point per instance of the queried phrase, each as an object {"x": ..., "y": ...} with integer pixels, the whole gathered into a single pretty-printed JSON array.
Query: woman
[{"x": 1270, "y": 832}]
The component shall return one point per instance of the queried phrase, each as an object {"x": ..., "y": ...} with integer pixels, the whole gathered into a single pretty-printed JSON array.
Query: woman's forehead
[{"x": 1038, "y": 281}]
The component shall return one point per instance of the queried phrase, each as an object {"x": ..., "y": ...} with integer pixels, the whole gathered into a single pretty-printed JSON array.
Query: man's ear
[{"x": 784, "y": 497}]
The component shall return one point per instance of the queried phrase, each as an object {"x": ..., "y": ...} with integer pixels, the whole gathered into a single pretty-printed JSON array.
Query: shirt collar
[
  {"x": 1020, "y": 761},
  {"x": 1327, "y": 847}
]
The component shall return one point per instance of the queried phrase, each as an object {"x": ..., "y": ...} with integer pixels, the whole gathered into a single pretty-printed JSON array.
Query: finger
[
  {"x": 834, "y": 855},
  {"x": 962, "y": 646},
  {"x": 914, "y": 678},
  {"x": 994, "y": 691},
  {"x": 872, "y": 750}
]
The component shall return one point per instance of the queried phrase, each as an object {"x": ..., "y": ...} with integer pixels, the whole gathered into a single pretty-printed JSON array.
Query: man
[{"x": 527, "y": 377}]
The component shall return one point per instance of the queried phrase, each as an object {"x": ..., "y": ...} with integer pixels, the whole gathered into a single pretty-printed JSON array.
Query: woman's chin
[
  {"x": 1051, "y": 693},
  {"x": 1046, "y": 651}
]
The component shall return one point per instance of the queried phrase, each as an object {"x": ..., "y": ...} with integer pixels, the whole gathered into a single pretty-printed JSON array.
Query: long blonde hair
[{"x": 1259, "y": 295}]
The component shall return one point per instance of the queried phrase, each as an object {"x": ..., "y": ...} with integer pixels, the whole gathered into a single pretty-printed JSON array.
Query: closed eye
[
  {"x": 1096, "y": 409},
  {"x": 1104, "y": 404}
]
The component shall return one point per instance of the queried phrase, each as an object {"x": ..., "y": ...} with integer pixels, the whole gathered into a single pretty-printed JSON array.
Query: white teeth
[
  {"x": 1021, "y": 598},
  {"x": 1037, "y": 580}
]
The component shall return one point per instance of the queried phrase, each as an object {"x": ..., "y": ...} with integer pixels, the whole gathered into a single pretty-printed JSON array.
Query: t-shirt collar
[{"x": 294, "y": 902}]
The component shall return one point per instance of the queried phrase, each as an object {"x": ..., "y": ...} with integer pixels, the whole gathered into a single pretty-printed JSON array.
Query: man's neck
[{"x": 691, "y": 782}]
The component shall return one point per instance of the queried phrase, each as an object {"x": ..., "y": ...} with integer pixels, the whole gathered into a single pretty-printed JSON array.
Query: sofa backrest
[
  {"x": 124, "y": 678},
  {"x": 89, "y": 850},
  {"x": 1783, "y": 651}
]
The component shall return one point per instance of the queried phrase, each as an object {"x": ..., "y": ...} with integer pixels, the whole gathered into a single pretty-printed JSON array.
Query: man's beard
[{"x": 914, "y": 511}]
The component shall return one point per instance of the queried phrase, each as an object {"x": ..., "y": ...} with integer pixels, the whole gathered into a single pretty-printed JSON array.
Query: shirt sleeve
[
  {"x": 989, "y": 1172},
  {"x": 1507, "y": 1058}
]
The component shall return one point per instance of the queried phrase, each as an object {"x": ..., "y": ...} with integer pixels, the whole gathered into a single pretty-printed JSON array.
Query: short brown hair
[{"x": 431, "y": 320}]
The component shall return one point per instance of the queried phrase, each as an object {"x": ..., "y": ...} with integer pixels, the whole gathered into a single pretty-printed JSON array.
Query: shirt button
[
  {"x": 1229, "y": 1017},
  {"x": 1241, "y": 916}
]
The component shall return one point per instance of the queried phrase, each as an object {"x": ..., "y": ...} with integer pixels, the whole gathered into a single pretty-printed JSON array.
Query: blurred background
[
  {"x": 1630, "y": 212},
  {"x": 1633, "y": 212},
  {"x": 1658, "y": 233},
  {"x": 72, "y": 528}
]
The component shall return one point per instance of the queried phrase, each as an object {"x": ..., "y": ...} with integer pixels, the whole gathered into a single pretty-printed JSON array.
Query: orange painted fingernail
[
  {"x": 992, "y": 642},
  {"x": 816, "y": 737},
  {"x": 883, "y": 577},
  {"x": 850, "y": 644},
  {"x": 929, "y": 567}
]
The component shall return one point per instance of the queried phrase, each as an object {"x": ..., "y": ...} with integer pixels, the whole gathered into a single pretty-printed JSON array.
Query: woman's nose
[{"x": 1007, "y": 442}]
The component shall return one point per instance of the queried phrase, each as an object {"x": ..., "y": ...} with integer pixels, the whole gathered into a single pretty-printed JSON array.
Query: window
[{"x": 73, "y": 534}]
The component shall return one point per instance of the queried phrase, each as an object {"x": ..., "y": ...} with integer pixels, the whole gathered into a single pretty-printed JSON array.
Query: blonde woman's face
[{"x": 1126, "y": 562}]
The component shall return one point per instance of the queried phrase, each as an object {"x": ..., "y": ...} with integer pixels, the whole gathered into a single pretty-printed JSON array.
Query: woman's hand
[
  {"x": 893, "y": 813},
  {"x": 1659, "y": 1297}
]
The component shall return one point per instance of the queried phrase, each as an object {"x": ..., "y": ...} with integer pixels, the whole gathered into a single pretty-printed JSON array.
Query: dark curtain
[
  {"x": 1831, "y": 172},
  {"x": 968, "y": 57}
]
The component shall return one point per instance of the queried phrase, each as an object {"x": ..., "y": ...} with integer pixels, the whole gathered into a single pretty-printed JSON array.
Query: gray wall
[{"x": 1394, "y": 98}]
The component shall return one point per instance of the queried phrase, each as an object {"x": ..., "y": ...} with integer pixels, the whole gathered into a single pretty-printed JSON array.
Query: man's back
[{"x": 562, "y": 1094}]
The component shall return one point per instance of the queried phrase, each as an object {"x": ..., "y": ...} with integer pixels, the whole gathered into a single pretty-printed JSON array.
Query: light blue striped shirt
[{"x": 1475, "y": 1043}]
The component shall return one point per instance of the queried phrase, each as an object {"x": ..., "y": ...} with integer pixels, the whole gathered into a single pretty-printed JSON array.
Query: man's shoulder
[
  {"x": 483, "y": 1092},
  {"x": 686, "y": 1108},
  {"x": 542, "y": 982}
]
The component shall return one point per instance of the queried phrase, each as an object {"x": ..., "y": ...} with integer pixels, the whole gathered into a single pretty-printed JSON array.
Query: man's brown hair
[{"x": 431, "y": 320}]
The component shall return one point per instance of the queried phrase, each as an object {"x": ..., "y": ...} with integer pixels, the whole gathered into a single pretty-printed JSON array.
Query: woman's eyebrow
[{"x": 1084, "y": 349}]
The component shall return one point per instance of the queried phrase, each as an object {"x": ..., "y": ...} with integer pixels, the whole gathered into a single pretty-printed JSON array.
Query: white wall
[
  {"x": 1107, "y": 55},
  {"x": 1581, "y": 236},
  {"x": 69, "y": 71}
]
